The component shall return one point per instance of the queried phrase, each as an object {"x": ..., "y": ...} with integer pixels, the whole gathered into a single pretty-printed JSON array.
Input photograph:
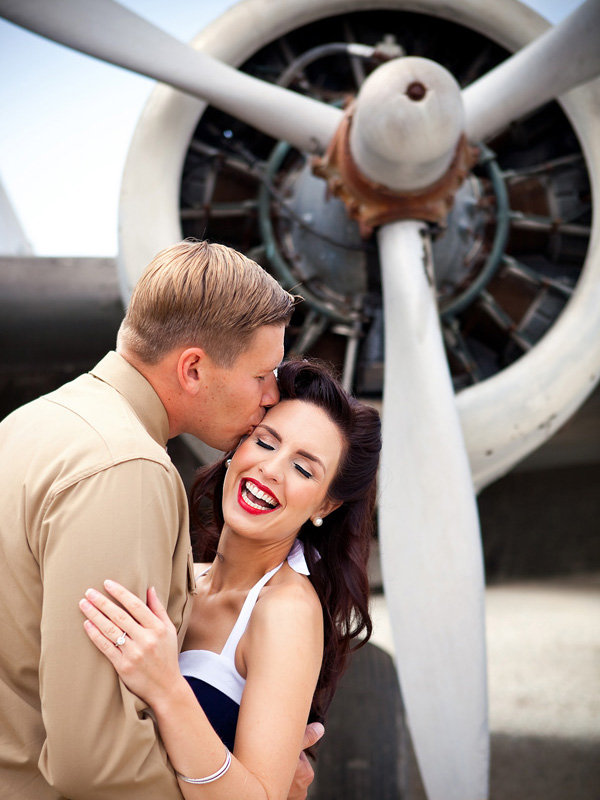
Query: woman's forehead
[{"x": 288, "y": 411}]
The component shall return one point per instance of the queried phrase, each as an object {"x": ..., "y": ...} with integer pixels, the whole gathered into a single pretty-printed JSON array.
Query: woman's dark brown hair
[{"x": 339, "y": 576}]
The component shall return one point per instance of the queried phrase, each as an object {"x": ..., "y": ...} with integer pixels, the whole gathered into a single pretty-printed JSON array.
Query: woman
[{"x": 277, "y": 608}]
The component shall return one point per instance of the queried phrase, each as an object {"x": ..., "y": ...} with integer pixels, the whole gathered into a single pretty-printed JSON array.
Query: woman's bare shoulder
[
  {"x": 288, "y": 612},
  {"x": 290, "y": 598}
]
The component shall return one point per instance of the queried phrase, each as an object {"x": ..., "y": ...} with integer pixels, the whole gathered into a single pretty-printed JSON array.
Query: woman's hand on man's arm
[{"x": 147, "y": 661}]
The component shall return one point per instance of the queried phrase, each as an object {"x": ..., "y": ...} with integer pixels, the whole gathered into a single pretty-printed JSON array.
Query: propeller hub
[{"x": 407, "y": 122}]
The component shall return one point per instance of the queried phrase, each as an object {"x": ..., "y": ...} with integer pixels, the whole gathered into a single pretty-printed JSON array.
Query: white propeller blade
[
  {"x": 562, "y": 58},
  {"x": 429, "y": 533},
  {"x": 107, "y": 30}
]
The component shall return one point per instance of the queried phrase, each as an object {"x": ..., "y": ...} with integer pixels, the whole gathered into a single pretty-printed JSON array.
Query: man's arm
[{"x": 122, "y": 523}]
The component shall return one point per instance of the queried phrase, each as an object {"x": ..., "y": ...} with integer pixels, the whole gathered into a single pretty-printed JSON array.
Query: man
[{"x": 89, "y": 491}]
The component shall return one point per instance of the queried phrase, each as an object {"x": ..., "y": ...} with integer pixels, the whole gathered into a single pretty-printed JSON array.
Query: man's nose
[{"x": 270, "y": 396}]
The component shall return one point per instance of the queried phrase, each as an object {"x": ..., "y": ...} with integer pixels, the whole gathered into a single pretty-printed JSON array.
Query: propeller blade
[
  {"x": 108, "y": 31},
  {"x": 558, "y": 60},
  {"x": 429, "y": 532}
]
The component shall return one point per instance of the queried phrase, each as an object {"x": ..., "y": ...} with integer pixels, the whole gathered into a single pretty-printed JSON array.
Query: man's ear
[{"x": 190, "y": 369}]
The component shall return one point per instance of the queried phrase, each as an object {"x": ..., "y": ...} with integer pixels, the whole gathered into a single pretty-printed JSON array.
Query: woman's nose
[
  {"x": 270, "y": 395},
  {"x": 271, "y": 467}
]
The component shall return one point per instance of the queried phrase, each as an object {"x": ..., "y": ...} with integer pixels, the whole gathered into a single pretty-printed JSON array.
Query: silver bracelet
[{"x": 210, "y": 778}]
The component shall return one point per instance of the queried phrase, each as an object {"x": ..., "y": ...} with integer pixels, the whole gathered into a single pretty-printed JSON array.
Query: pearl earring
[
  {"x": 227, "y": 463},
  {"x": 317, "y": 522}
]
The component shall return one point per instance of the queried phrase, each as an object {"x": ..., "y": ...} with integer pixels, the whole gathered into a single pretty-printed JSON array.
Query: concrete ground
[{"x": 543, "y": 640}]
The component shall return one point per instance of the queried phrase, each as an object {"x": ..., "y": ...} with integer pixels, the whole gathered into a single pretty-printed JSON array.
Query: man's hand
[{"x": 304, "y": 772}]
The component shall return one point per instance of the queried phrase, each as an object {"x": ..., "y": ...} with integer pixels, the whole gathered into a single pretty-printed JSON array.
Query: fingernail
[
  {"x": 91, "y": 593},
  {"x": 109, "y": 584}
]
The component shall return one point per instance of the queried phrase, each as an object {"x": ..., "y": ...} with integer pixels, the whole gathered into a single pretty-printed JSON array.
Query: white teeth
[
  {"x": 260, "y": 495},
  {"x": 250, "y": 502}
]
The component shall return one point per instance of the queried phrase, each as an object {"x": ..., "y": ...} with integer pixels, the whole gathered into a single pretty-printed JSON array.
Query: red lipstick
[{"x": 253, "y": 509}]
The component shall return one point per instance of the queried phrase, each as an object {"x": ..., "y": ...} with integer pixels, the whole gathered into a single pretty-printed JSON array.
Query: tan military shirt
[{"x": 88, "y": 492}]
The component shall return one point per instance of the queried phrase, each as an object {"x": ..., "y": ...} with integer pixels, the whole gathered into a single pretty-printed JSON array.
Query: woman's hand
[{"x": 147, "y": 659}]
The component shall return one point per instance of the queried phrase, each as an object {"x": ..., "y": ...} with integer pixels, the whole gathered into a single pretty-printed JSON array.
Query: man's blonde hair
[{"x": 203, "y": 295}]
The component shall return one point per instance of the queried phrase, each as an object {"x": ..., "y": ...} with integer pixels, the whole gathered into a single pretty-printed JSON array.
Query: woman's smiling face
[{"x": 280, "y": 475}]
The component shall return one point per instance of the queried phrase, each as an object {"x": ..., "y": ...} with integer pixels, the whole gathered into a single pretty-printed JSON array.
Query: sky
[{"x": 67, "y": 120}]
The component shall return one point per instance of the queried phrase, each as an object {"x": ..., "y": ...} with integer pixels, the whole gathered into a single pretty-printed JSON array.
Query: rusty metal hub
[{"x": 373, "y": 204}]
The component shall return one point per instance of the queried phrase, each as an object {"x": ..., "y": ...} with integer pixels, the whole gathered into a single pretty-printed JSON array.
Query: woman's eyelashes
[{"x": 304, "y": 472}]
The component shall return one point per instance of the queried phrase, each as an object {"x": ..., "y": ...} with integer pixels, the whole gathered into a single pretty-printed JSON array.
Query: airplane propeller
[
  {"x": 566, "y": 56},
  {"x": 429, "y": 532},
  {"x": 110, "y": 32},
  {"x": 406, "y": 128}
]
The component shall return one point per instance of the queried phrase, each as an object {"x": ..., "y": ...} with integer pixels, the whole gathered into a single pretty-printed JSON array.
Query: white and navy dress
[{"x": 213, "y": 676}]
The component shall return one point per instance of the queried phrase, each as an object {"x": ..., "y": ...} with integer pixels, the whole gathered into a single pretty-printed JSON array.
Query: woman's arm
[
  {"x": 147, "y": 663},
  {"x": 282, "y": 652}
]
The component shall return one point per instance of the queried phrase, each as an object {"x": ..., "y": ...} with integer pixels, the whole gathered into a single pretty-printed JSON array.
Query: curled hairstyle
[
  {"x": 339, "y": 576},
  {"x": 204, "y": 295}
]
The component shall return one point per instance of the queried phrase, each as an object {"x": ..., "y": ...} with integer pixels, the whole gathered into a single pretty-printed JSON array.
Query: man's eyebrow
[
  {"x": 304, "y": 453},
  {"x": 272, "y": 369}
]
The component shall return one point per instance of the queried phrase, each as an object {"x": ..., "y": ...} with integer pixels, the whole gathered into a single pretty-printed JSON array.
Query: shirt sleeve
[{"x": 123, "y": 523}]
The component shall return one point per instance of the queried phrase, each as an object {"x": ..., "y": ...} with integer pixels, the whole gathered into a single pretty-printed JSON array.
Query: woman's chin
[{"x": 261, "y": 527}]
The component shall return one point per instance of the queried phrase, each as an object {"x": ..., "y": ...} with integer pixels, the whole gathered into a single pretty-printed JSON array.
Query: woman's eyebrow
[
  {"x": 311, "y": 457},
  {"x": 272, "y": 431},
  {"x": 304, "y": 453}
]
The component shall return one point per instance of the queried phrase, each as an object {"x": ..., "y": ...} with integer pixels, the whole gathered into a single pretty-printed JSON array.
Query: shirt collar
[
  {"x": 297, "y": 560},
  {"x": 129, "y": 382}
]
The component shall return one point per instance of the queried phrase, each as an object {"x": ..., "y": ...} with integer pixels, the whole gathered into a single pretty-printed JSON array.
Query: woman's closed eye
[{"x": 303, "y": 471}]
